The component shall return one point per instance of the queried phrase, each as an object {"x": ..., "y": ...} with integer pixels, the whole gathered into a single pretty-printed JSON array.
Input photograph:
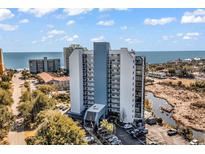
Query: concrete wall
[
  {"x": 127, "y": 90},
  {"x": 76, "y": 81}
]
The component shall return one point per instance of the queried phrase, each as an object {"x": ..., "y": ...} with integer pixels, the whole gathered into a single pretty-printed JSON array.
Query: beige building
[
  {"x": 1, "y": 62},
  {"x": 62, "y": 83}
]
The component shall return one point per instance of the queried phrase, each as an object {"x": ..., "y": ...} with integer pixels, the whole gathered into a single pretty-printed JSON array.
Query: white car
[
  {"x": 89, "y": 139},
  {"x": 194, "y": 142},
  {"x": 127, "y": 126}
]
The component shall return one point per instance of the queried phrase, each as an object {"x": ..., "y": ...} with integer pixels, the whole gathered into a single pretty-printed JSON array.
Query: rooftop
[
  {"x": 47, "y": 77},
  {"x": 96, "y": 107}
]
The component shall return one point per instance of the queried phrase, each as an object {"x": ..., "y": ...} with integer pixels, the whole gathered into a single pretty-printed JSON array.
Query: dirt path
[{"x": 16, "y": 135}]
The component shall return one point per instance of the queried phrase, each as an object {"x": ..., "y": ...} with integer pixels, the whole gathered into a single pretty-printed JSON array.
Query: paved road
[
  {"x": 16, "y": 137},
  {"x": 126, "y": 138}
]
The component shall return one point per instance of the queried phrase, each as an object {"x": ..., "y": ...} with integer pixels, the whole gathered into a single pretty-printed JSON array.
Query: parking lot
[{"x": 127, "y": 139}]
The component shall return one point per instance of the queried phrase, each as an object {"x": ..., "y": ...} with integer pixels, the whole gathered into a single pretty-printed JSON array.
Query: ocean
[{"x": 19, "y": 60}]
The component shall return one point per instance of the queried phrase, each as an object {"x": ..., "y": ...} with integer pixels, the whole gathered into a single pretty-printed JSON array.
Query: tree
[
  {"x": 25, "y": 111},
  {"x": 31, "y": 105},
  {"x": 57, "y": 129},
  {"x": 42, "y": 102},
  {"x": 46, "y": 89},
  {"x": 5, "y": 85},
  {"x": 26, "y": 96},
  {"x": 172, "y": 71},
  {"x": 5, "y": 78},
  {"x": 159, "y": 121},
  {"x": 25, "y": 74},
  {"x": 5, "y": 97},
  {"x": 6, "y": 119},
  {"x": 107, "y": 126},
  {"x": 148, "y": 105}
]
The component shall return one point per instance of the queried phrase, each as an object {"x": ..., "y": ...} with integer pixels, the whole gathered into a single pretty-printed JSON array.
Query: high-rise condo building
[
  {"x": 67, "y": 52},
  {"x": 106, "y": 82},
  {"x": 44, "y": 65},
  {"x": 1, "y": 62}
]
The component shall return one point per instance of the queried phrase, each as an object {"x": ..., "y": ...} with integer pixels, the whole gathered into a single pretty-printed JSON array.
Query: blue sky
[{"x": 40, "y": 30}]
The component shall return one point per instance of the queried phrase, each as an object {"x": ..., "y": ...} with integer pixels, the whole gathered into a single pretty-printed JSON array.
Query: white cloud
[
  {"x": 5, "y": 14},
  {"x": 110, "y": 9},
  {"x": 197, "y": 16},
  {"x": 50, "y": 26},
  {"x": 167, "y": 37},
  {"x": 71, "y": 38},
  {"x": 131, "y": 40},
  {"x": 77, "y": 11},
  {"x": 190, "y": 36},
  {"x": 183, "y": 36},
  {"x": 37, "y": 12},
  {"x": 123, "y": 28},
  {"x": 8, "y": 27},
  {"x": 106, "y": 23},
  {"x": 34, "y": 42},
  {"x": 24, "y": 21},
  {"x": 179, "y": 34},
  {"x": 162, "y": 21},
  {"x": 52, "y": 34},
  {"x": 70, "y": 22},
  {"x": 97, "y": 39}
]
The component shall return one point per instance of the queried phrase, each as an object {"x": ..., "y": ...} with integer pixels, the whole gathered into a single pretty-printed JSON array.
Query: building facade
[
  {"x": 1, "y": 62},
  {"x": 67, "y": 52},
  {"x": 112, "y": 80},
  {"x": 44, "y": 65}
]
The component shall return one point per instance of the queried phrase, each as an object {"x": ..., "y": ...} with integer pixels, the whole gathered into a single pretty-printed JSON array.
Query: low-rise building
[
  {"x": 44, "y": 65},
  {"x": 159, "y": 75},
  {"x": 62, "y": 82}
]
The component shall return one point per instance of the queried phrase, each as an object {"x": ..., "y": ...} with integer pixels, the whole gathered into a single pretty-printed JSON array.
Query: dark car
[
  {"x": 151, "y": 121},
  {"x": 171, "y": 132}
]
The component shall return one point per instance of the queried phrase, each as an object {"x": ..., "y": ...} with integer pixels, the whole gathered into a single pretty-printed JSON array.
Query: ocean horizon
[{"x": 19, "y": 60}]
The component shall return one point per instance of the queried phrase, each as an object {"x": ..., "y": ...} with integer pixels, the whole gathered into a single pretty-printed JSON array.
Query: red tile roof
[{"x": 47, "y": 77}]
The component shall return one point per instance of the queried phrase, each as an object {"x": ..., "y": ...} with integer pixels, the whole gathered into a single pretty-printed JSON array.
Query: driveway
[{"x": 16, "y": 134}]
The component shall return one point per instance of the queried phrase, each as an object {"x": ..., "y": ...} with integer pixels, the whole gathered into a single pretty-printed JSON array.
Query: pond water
[{"x": 167, "y": 117}]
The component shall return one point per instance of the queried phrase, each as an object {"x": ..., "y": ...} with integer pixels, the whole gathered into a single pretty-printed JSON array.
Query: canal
[{"x": 167, "y": 117}]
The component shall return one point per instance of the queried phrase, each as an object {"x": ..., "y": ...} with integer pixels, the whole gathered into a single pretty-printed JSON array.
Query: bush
[
  {"x": 5, "y": 85},
  {"x": 107, "y": 126},
  {"x": 6, "y": 119},
  {"x": 46, "y": 89},
  {"x": 5, "y": 78},
  {"x": 5, "y": 97},
  {"x": 57, "y": 129}
]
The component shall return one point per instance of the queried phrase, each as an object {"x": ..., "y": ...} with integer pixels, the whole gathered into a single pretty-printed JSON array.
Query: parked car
[
  {"x": 129, "y": 131},
  {"x": 194, "y": 142},
  {"x": 89, "y": 139},
  {"x": 145, "y": 131},
  {"x": 171, "y": 132},
  {"x": 116, "y": 142},
  {"x": 112, "y": 139},
  {"x": 154, "y": 143},
  {"x": 151, "y": 121},
  {"x": 108, "y": 136},
  {"x": 128, "y": 126}
]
